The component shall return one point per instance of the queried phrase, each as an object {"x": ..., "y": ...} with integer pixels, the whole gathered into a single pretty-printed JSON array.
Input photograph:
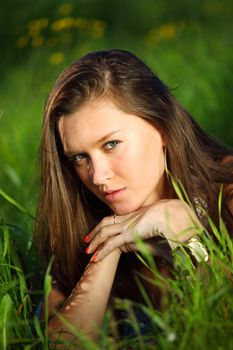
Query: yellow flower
[
  {"x": 33, "y": 31},
  {"x": 65, "y": 9},
  {"x": 37, "y": 41},
  {"x": 167, "y": 31},
  {"x": 98, "y": 28},
  {"x": 36, "y": 25},
  {"x": 64, "y": 23},
  {"x": 22, "y": 42},
  {"x": 57, "y": 26},
  {"x": 33, "y": 24},
  {"x": 56, "y": 58}
]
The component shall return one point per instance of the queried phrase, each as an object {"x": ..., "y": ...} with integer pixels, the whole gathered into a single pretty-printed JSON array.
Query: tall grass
[{"x": 198, "y": 312}]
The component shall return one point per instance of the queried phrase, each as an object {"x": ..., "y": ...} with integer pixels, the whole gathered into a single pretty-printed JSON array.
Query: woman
[{"x": 112, "y": 134}]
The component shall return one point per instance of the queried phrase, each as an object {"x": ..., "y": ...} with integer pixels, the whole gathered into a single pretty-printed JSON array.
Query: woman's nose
[{"x": 100, "y": 172}]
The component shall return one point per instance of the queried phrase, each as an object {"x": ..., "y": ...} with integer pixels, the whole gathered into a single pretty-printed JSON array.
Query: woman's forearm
[{"x": 86, "y": 305}]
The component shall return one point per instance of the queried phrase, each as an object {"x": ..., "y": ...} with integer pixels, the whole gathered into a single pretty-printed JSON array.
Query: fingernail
[
  {"x": 87, "y": 249},
  {"x": 86, "y": 238},
  {"x": 94, "y": 258}
]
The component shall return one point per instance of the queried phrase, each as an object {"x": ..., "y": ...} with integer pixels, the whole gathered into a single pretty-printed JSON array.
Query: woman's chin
[{"x": 124, "y": 210}]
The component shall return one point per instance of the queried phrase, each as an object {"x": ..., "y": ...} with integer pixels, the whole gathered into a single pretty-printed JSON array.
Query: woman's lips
[{"x": 112, "y": 196}]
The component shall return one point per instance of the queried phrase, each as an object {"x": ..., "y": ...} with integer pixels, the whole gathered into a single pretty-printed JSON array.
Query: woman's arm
[{"x": 86, "y": 305}]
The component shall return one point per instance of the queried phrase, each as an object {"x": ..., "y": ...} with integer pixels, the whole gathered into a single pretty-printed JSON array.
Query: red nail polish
[
  {"x": 86, "y": 238},
  {"x": 87, "y": 249},
  {"x": 94, "y": 258}
]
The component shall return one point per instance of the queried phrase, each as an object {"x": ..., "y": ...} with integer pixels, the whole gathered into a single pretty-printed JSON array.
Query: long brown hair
[{"x": 67, "y": 210}]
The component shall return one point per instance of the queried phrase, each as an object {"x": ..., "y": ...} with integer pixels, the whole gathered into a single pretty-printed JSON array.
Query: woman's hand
[{"x": 172, "y": 219}]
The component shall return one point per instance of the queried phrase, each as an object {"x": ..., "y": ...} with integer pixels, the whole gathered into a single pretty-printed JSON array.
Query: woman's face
[{"x": 118, "y": 156}]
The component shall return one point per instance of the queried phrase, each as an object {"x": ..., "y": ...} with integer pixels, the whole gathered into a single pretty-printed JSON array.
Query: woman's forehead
[
  {"x": 99, "y": 117},
  {"x": 95, "y": 122}
]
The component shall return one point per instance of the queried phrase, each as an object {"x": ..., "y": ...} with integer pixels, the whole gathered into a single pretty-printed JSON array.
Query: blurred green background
[{"x": 188, "y": 43}]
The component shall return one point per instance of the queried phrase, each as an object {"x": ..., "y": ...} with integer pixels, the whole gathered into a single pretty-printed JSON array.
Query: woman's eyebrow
[
  {"x": 70, "y": 152},
  {"x": 105, "y": 137}
]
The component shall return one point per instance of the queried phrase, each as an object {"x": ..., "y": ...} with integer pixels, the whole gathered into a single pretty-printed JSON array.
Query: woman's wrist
[{"x": 115, "y": 254}]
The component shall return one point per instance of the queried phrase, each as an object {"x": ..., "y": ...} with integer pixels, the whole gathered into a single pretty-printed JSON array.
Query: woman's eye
[
  {"x": 77, "y": 158},
  {"x": 111, "y": 144}
]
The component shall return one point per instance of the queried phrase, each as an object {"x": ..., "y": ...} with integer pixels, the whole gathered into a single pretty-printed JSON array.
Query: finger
[
  {"x": 105, "y": 222},
  {"x": 93, "y": 258},
  {"x": 104, "y": 234},
  {"x": 113, "y": 243},
  {"x": 128, "y": 234},
  {"x": 112, "y": 220}
]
